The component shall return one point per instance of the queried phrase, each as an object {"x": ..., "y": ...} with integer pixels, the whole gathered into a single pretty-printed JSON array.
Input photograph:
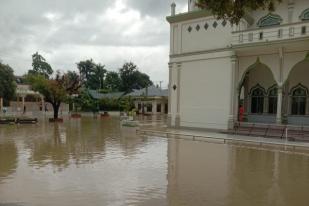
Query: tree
[
  {"x": 112, "y": 82},
  {"x": 234, "y": 10},
  {"x": 99, "y": 74},
  {"x": 56, "y": 90},
  {"x": 92, "y": 74},
  {"x": 88, "y": 103},
  {"x": 86, "y": 69},
  {"x": 7, "y": 82},
  {"x": 131, "y": 78},
  {"x": 40, "y": 66}
]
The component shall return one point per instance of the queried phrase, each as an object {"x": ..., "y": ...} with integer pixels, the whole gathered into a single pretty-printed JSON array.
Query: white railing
[{"x": 267, "y": 34}]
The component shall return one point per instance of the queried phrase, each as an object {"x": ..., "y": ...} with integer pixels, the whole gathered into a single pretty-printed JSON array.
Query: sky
[{"x": 111, "y": 32}]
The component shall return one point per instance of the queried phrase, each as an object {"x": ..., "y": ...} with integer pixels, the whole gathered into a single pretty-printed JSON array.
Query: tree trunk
[{"x": 56, "y": 110}]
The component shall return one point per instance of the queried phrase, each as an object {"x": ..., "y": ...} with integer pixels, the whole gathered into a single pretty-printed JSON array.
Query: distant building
[
  {"x": 30, "y": 101},
  {"x": 261, "y": 65},
  {"x": 151, "y": 100},
  {"x": 97, "y": 95}
]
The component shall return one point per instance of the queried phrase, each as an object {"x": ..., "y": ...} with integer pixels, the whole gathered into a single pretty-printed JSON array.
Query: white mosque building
[{"x": 261, "y": 64}]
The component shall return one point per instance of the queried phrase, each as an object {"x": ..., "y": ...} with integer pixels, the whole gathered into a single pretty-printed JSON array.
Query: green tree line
[{"x": 58, "y": 87}]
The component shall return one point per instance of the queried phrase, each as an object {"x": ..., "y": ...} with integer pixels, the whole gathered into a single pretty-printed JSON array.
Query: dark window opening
[
  {"x": 261, "y": 35},
  {"x": 303, "y": 30},
  {"x": 158, "y": 107},
  {"x": 149, "y": 107},
  {"x": 257, "y": 101},
  {"x": 299, "y": 101}
]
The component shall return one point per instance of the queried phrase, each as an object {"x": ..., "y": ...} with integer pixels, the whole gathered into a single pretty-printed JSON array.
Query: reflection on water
[
  {"x": 8, "y": 158},
  {"x": 95, "y": 162}
]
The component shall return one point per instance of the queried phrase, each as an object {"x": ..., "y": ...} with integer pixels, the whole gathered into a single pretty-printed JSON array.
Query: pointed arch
[
  {"x": 272, "y": 95},
  {"x": 304, "y": 61},
  {"x": 270, "y": 20},
  {"x": 252, "y": 67},
  {"x": 304, "y": 15},
  {"x": 299, "y": 87},
  {"x": 299, "y": 95},
  {"x": 271, "y": 90},
  {"x": 257, "y": 90},
  {"x": 257, "y": 95}
]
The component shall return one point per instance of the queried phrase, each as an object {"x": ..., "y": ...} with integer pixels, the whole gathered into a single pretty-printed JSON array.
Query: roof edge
[{"x": 189, "y": 16}]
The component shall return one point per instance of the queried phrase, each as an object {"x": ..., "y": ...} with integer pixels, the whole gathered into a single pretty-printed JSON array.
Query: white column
[
  {"x": 177, "y": 119},
  {"x": 154, "y": 107},
  {"x": 170, "y": 89},
  {"x": 1, "y": 104},
  {"x": 43, "y": 103},
  {"x": 23, "y": 103},
  {"x": 233, "y": 93},
  {"x": 173, "y": 9},
  {"x": 236, "y": 104},
  {"x": 280, "y": 87},
  {"x": 162, "y": 107},
  {"x": 279, "y": 105},
  {"x": 290, "y": 11}
]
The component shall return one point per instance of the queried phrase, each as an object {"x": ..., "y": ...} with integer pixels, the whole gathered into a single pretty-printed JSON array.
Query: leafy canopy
[
  {"x": 112, "y": 81},
  {"x": 92, "y": 74},
  {"x": 7, "y": 82},
  {"x": 56, "y": 90},
  {"x": 40, "y": 66},
  {"x": 235, "y": 10},
  {"x": 131, "y": 78}
]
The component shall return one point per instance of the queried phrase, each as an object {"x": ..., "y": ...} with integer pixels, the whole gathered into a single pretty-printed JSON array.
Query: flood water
[{"x": 95, "y": 162}]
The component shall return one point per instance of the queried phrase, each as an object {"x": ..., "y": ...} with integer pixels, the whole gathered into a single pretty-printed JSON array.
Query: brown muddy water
[{"x": 95, "y": 162}]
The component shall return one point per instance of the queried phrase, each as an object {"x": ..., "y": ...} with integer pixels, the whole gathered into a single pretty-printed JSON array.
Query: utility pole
[{"x": 160, "y": 84}]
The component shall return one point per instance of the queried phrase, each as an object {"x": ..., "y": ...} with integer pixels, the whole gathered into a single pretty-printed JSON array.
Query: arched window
[
  {"x": 272, "y": 100},
  {"x": 299, "y": 100},
  {"x": 269, "y": 20},
  {"x": 257, "y": 100},
  {"x": 304, "y": 15}
]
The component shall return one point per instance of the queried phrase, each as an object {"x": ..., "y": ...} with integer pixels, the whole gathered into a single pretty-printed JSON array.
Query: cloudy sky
[{"x": 66, "y": 31}]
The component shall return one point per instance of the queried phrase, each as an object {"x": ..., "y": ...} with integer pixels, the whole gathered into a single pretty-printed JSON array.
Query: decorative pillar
[
  {"x": 173, "y": 9},
  {"x": 233, "y": 93},
  {"x": 280, "y": 87},
  {"x": 1, "y": 104},
  {"x": 279, "y": 105},
  {"x": 236, "y": 105},
  {"x": 290, "y": 11},
  {"x": 23, "y": 103},
  {"x": 154, "y": 107},
  {"x": 43, "y": 103},
  {"x": 169, "y": 101},
  {"x": 177, "y": 119}
]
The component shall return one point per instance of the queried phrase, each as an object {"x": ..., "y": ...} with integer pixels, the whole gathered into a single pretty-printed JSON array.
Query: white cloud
[{"x": 110, "y": 31}]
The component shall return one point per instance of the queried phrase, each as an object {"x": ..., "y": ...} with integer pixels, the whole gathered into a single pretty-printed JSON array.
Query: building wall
[
  {"x": 282, "y": 10},
  {"x": 201, "y": 68},
  {"x": 154, "y": 103},
  {"x": 204, "y": 89},
  {"x": 202, "y": 38}
]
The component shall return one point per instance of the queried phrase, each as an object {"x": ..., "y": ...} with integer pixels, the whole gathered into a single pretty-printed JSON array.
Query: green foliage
[
  {"x": 87, "y": 103},
  {"x": 95, "y": 77},
  {"x": 7, "y": 82},
  {"x": 109, "y": 104},
  {"x": 92, "y": 74},
  {"x": 40, "y": 66},
  {"x": 236, "y": 9},
  {"x": 112, "y": 82},
  {"x": 131, "y": 78},
  {"x": 56, "y": 90},
  {"x": 126, "y": 104}
]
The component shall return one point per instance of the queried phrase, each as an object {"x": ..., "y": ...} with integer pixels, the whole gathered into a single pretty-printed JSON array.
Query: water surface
[{"x": 96, "y": 162}]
